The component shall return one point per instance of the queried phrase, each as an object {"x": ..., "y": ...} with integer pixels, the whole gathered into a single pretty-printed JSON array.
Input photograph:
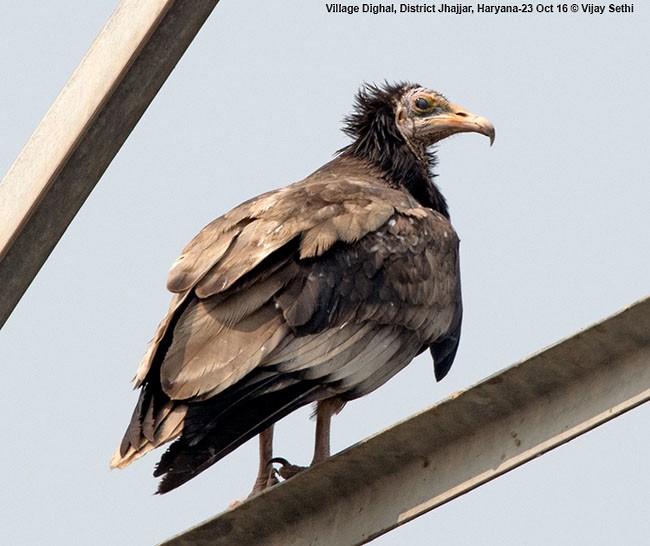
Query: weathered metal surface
[
  {"x": 84, "y": 129},
  {"x": 453, "y": 447}
]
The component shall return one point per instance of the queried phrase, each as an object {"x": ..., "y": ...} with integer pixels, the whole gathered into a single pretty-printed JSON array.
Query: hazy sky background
[{"x": 553, "y": 219}]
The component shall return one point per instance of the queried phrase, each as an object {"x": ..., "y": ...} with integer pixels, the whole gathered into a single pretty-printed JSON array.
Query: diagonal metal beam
[
  {"x": 84, "y": 129},
  {"x": 453, "y": 447}
]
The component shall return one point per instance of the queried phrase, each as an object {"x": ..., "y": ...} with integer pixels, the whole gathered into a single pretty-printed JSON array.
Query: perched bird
[{"x": 318, "y": 292}]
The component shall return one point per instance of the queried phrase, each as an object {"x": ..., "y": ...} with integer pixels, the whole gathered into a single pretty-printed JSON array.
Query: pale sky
[{"x": 553, "y": 220}]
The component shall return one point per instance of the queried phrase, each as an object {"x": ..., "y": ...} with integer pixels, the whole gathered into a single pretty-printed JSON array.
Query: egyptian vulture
[{"x": 317, "y": 292}]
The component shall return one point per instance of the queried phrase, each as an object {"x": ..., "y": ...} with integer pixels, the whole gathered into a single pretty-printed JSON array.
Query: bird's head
[
  {"x": 425, "y": 117},
  {"x": 394, "y": 127},
  {"x": 393, "y": 115},
  {"x": 409, "y": 113}
]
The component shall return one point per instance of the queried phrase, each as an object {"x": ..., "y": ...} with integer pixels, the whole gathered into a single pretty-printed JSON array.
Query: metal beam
[
  {"x": 84, "y": 129},
  {"x": 453, "y": 447}
]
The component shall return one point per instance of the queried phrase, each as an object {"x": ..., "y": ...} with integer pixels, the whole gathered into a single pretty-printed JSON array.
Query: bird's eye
[{"x": 423, "y": 104}]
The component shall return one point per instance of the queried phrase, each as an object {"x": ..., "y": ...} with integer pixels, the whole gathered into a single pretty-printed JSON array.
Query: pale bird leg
[
  {"x": 324, "y": 412},
  {"x": 265, "y": 472}
]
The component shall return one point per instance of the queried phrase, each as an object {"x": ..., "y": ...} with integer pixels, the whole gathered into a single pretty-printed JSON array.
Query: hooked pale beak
[{"x": 459, "y": 120}]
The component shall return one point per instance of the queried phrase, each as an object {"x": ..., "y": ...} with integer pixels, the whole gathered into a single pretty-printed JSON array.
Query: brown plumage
[{"x": 316, "y": 292}]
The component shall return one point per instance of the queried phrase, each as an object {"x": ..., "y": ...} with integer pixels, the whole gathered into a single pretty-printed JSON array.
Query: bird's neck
[{"x": 402, "y": 167}]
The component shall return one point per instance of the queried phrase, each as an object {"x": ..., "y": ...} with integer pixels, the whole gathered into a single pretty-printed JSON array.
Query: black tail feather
[{"x": 228, "y": 429}]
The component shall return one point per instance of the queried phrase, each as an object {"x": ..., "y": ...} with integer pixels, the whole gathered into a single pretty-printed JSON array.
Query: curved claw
[
  {"x": 287, "y": 470},
  {"x": 278, "y": 460}
]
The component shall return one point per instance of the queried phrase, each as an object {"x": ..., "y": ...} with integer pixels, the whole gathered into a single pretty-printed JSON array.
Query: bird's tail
[{"x": 215, "y": 427}]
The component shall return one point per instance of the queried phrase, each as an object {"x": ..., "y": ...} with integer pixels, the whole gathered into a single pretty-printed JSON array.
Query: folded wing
[{"x": 325, "y": 288}]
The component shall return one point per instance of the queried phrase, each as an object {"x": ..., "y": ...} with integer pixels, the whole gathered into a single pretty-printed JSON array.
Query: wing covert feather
[{"x": 319, "y": 213}]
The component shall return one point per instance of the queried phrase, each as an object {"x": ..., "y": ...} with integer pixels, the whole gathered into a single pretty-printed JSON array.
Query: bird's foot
[
  {"x": 266, "y": 480},
  {"x": 262, "y": 482},
  {"x": 287, "y": 470}
]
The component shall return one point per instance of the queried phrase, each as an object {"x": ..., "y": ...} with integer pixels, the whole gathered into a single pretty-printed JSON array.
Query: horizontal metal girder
[{"x": 453, "y": 447}]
